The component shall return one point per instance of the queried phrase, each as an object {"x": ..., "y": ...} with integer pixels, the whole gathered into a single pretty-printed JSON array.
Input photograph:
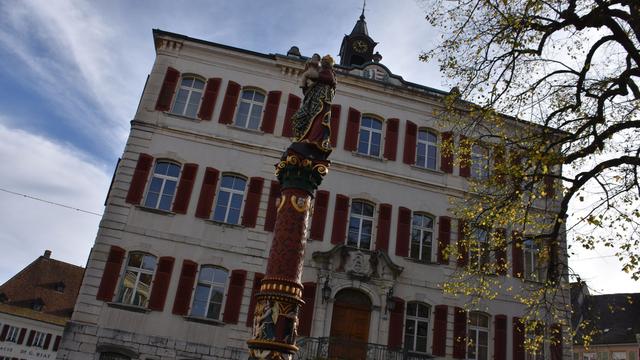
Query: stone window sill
[
  {"x": 427, "y": 170},
  {"x": 252, "y": 131},
  {"x": 184, "y": 117},
  {"x": 224, "y": 224},
  {"x": 128, "y": 307},
  {"x": 370, "y": 157},
  {"x": 423, "y": 262},
  {"x": 156, "y": 211},
  {"x": 202, "y": 320}
]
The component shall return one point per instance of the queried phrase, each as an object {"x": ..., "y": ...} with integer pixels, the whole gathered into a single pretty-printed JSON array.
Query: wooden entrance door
[{"x": 350, "y": 325}]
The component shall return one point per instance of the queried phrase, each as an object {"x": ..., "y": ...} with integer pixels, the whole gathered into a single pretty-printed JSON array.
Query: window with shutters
[
  {"x": 136, "y": 282},
  {"x": 209, "y": 293},
  {"x": 12, "y": 334},
  {"x": 38, "y": 339},
  {"x": 229, "y": 199},
  {"x": 189, "y": 96},
  {"x": 421, "y": 237},
  {"x": 479, "y": 162},
  {"x": 370, "y": 137},
  {"x": 113, "y": 356},
  {"x": 250, "y": 109},
  {"x": 478, "y": 337},
  {"x": 479, "y": 251},
  {"x": 416, "y": 327},
  {"x": 589, "y": 356},
  {"x": 162, "y": 187},
  {"x": 533, "y": 269},
  {"x": 427, "y": 149},
  {"x": 360, "y": 224}
]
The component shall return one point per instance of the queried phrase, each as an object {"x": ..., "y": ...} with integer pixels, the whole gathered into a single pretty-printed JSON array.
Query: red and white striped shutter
[
  {"x": 271, "y": 111},
  {"x": 252, "y": 204},
  {"x": 272, "y": 210},
  {"x": 335, "y": 124},
  {"x": 209, "y": 98},
  {"x": 319, "y": 218},
  {"x": 185, "y": 187},
  {"x": 353, "y": 128},
  {"x": 187, "y": 279},
  {"x": 403, "y": 232},
  {"x": 444, "y": 238},
  {"x": 207, "y": 193},
  {"x": 167, "y": 90},
  {"x": 439, "y": 345},
  {"x": 384, "y": 227},
  {"x": 293, "y": 104},
  {"x": 446, "y": 157},
  {"x": 230, "y": 102},
  {"x": 306, "y": 311},
  {"x": 161, "y": 282},
  {"x": 410, "y": 138},
  {"x": 111, "y": 273},
  {"x": 139, "y": 179},
  {"x": 257, "y": 281},
  {"x": 340, "y": 218},
  {"x": 391, "y": 139},
  {"x": 396, "y": 324},
  {"x": 234, "y": 297}
]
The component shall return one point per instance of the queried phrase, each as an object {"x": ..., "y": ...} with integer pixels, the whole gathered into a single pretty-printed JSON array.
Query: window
[
  {"x": 479, "y": 251},
  {"x": 136, "y": 282},
  {"x": 229, "y": 200},
  {"x": 209, "y": 293},
  {"x": 532, "y": 267},
  {"x": 416, "y": 327},
  {"x": 479, "y": 162},
  {"x": 360, "y": 224},
  {"x": 250, "y": 109},
  {"x": 370, "y": 136},
  {"x": 113, "y": 356},
  {"x": 38, "y": 339},
  {"x": 421, "y": 237},
  {"x": 589, "y": 356},
  {"x": 618, "y": 355},
  {"x": 427, "y": 151},
  {"x": 12, "y": 334},
  {"x": 632, "y": 355},
  {"x": 162, "y": 187},
  {"x": 189, "y": 95},
  {"x": 478, "y": 337}
]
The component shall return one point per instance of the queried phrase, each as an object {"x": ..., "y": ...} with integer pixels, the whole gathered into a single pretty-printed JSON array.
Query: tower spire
[{"x": 364, "y": 4}]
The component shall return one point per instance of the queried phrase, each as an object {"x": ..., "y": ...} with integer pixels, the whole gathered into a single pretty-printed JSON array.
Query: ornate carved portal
[{"x": 300, "y": 171}]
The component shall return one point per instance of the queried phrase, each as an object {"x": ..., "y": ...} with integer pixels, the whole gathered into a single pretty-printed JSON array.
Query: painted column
[{"x": 300, "y": 172}]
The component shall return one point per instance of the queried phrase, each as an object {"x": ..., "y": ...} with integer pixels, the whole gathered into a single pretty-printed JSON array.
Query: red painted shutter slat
[
  {"x": 47, "y": 341},
  {"x": 444, "y": 239},
  {"x": 252, "y": 205},
  {"x": 230, "y": 102},
  {"x": 32, "y": 334},
  {"x": 500, "y": 338},
  {"x": 257, "y": 280},
  {"x": 391, "y": 139},
  {"x": 3, "y": 334},
  {"x": 439, "y": 346},
  {"x": 161, "y": 282},
  {"x": 234, "y": 297},
  {"x": 335, "y": 123},
  {"x": 185, "y": 187},
  {"x": 169, "y": 84},
  {"x": 384, "y": 227},
  {"x": 459, "y": 333},
  {"x": 517, "y": 255},
  {"x": 319, "y": 217},
  {"x": 501, "y": 251},
  {"x": 463, "y": 249},
  {"x": 465, "y": 156},
  {"x": 403, "y": 232},
  {"x": 556, "y": 342},
  {"x": 446, "y": 154},
  {"x": 293, "y": 104},
  {"x": 56, "y": 343},
  {"x": 271, "y": 112},
  {"x": 340, "y": 218},
  {"x": 396, "y": 324},
  {"x": 353, "y": 128},
  {"x": 209, "y": 98},
  {"x": 23, "y": 332},
  {"x": 409, "y": 154},
  {"x": 139, "y": 179},
  {"x": 306, "y": 311},
  {"x": 110, "y": 274},
  {"x": 272, "y": 210},
  {"x": 518, "y": 339},
  {"x": 207, "y": 193},
  {"x": 182, "y": 300}
]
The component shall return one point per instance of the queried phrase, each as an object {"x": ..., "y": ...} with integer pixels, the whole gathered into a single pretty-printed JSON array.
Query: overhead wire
[{"x": 49, "y": 202}]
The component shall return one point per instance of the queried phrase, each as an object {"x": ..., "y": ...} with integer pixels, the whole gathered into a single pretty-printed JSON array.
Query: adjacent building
[
  {"x": 183, "y": 242},
  {"x": 35, "y": 305}
]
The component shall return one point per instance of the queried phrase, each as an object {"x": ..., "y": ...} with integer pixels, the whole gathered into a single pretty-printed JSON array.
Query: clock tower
[{"x": 357, "y": 47}]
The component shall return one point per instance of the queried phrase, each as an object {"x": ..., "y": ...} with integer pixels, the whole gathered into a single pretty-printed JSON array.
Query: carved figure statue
[{"x": 311, "y": 73}]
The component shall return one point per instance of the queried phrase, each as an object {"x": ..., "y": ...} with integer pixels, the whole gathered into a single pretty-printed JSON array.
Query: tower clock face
[{"x": 360, "y": 46}]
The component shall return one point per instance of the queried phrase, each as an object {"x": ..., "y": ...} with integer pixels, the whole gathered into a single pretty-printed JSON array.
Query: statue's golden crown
[{"x": 327, "y": 58}]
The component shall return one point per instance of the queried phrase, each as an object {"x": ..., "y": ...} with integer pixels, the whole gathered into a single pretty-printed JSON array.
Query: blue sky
[{"x": 72, "y": 73}]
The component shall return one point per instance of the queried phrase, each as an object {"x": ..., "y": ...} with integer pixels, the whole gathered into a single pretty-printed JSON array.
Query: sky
[{"x": 72, "y": 74}]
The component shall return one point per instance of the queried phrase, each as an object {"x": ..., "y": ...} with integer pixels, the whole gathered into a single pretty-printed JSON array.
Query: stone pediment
[{"x": 363, "y": 265}]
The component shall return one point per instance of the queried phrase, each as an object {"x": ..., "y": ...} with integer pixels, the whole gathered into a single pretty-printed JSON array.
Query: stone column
[{"x": 280, "y": 297}]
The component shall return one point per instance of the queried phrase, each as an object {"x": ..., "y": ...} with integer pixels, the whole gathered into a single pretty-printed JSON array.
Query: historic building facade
[{"x": 183, "y": 242}]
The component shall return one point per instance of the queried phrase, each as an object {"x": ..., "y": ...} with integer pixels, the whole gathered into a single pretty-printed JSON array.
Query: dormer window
[
  {"x": 59, "y": 286},
  {"x": 37, "y": 304}
]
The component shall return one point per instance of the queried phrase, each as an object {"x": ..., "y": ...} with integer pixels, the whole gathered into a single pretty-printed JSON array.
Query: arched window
[
  {"x": 416, "y": 327},
  {"x": 136, "y": 282},
  {"x": 370, "y": 136},
  {"x": 478, "y": 337},
  {"x": 229, "y": 199},
  {"x": 421, "y": 237},
  {"x": 250, "y": 109},
  {"x": 207, "y": 300},
  {"x": 479, "y": 162},
  {"x": 427, "y": 149},
  {"x": 189, "y": 94},
  {"x": 360, "y": 224},
  {"x": 162, "y": 186}
]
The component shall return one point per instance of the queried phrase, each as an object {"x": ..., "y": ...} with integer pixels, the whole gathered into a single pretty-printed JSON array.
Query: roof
[
  {"x": 361, "y": 27},
  {"x": 51, "y": 283},
  {"x": 614, "y": 317}
]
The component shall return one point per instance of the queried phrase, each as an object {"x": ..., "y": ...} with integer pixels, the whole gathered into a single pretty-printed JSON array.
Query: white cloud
[{"x": 59, "y": 173}]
